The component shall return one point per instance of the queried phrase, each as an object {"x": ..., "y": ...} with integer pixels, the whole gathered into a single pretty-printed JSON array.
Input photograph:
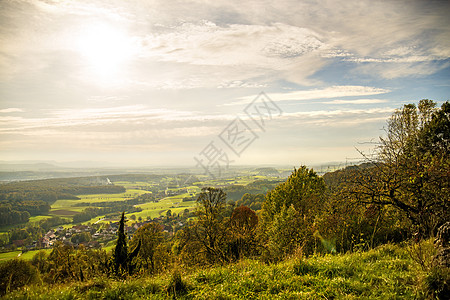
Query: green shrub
[
  {"x": 16, "y": 273},
  {"x": 303, "y": 267},
  {"x": 176, "y": 285},
  {"x": 437, "y": 283}
]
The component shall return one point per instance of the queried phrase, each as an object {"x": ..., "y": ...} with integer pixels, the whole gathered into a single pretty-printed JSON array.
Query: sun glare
[{"x": 105, "y": 50}]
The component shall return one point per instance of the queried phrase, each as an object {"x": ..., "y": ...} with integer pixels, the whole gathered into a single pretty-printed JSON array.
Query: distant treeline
[
  {"x": 138, "y": 200},
  {"x": 235, "y": 192},
  {"x": 165, "y": 180},
  {"x": 16, "y": 212},
  {"x": 92, "y": 212},
  {"x": 10, "y": 216},
  {"x": 137, "y": 177}
]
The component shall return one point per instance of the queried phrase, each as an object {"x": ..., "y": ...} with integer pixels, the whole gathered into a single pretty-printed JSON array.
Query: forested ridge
[{"x": 398, "y": 195}]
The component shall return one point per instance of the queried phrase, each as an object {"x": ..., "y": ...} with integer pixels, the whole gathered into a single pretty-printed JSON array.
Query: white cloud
[
  {"x": 252, "y": 50},
  {"x": 337, "y": 118},
  {"x": 402, "y": 70},
  {"x": 119, "y": 118},
  {"x": 357, "y": 101},
  {"x": 324, "y": 93},
  {"x": 11, "y": 110}
]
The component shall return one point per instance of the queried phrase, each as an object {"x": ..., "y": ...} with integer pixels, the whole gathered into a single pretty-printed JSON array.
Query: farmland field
[
  {"x": 69, "y": 207},
  {"x": 65, "y": 208},
  {"x": 156, "y": 209},
  {"x": 27, "y": 255}
]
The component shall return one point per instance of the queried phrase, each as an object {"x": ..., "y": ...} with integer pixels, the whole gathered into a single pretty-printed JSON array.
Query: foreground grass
[{"x": 387, "y": 272}]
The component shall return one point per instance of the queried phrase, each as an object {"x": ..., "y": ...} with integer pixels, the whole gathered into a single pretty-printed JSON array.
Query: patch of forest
[{"x": 236, "y": 191}]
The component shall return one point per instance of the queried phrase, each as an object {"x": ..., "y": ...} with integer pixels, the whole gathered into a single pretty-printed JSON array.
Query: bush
[
  {"x": 302, "y": 268},
  {"x": 176, "y": 285},
  {"x": 437, "y": 283},
  {"x": 16, "y": 273}
]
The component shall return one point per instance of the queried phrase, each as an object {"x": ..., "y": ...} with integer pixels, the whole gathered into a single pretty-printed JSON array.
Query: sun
[{"x": 105, "y": 50}]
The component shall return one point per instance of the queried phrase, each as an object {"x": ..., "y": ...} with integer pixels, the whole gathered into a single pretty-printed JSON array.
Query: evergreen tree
[
  {"x": 123, "y": 261},
  {"x": 121, "y": 250}
]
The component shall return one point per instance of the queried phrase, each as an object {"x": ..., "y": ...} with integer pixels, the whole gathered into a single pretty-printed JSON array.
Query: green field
[
  {"x": 36, "y": 219},
  {"x": 18, "y": 254},
  {"x": 156, "y": 209},
  {"x": 9, "y": 255},
  {"x": 135, "y": 185},
  {"x": 68, "y": 208}
]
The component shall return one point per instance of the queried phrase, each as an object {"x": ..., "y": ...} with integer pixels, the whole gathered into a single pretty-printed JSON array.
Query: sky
[{"x": 213, "y": 83}]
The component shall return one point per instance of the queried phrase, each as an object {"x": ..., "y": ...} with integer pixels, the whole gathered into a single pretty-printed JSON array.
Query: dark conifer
[{"x": 121, "y": 250}]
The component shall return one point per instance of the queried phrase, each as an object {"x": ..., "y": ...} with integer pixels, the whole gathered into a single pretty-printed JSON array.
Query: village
[{"x": 99, "y": 234}]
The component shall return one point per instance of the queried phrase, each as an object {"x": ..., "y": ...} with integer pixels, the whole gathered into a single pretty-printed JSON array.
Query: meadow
[
  {"x": 65, "y": 208},
  {"x": 387, "y": 272},
  {"x": 18, "y": 254}
]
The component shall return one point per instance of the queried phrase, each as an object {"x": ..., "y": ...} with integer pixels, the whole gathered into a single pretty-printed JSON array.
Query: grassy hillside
[{"x": 387, "y": 272}]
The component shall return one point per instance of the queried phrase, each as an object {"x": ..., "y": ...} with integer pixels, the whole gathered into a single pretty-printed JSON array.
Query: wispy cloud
[
  {"x": 324, "y": 93},
  {"x": 11, "y": 110},
  {"x": 357, "y": 101},
  {"x": 109, "y": 119},
  {"x": 402, "y": 70},
  {"x": 337, "y": 118}
]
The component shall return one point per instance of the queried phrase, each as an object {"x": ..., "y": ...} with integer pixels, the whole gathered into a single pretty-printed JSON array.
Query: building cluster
[{"x": 92, "y": 237}]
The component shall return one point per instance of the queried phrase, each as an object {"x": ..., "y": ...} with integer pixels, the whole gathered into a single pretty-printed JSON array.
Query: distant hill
[{"x": 268, "y": 171}]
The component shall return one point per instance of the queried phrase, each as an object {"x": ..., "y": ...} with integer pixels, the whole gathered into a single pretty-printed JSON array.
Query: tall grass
[{"x": 387, "y": 272}]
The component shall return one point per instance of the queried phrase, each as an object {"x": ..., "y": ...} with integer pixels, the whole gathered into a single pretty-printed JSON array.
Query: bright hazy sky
[{"x": 156, "y": 82}]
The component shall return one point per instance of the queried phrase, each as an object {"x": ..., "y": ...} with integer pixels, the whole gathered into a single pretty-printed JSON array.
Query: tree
[
  {"x": 410, "y": 168},
  {"x": 62, "y": 263},
  {"x": 207, "y": 236},
  {"x": 297, "y": 201},
  {"x": 121, "y": 250},
  {"x": 209, "y": 229},
  {"x": 82, "y": 237},
  {"x": 347, "y": 224},
  {"x": 16, "y": 273},
  {"x": 243, "y": 225},
  {"x": 39, "y": 260},
  {"x": 151, "y": 238},
  {"x": 122, "y": 259},
  {"x": 253, "y": 201}
]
